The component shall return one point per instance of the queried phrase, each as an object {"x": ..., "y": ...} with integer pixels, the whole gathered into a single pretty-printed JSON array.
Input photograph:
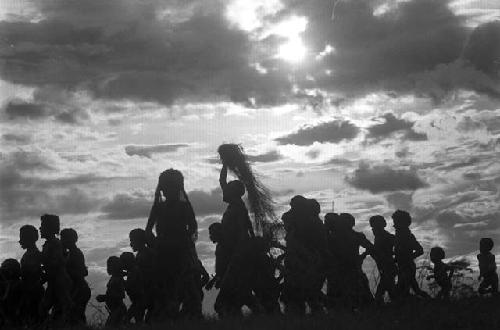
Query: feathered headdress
[{"x": 259, "y": 197}]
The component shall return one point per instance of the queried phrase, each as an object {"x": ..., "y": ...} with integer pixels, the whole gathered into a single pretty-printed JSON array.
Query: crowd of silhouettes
[{"x": 164, "y": 278}]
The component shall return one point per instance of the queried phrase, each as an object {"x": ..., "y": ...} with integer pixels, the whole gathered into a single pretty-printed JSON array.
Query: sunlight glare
[{"x": 292, "y": 51}]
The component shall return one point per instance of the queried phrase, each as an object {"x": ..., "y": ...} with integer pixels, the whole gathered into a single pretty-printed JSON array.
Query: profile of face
[
  {"x": 134, "y": 244},
  {"x": 234, "y": 190},
  {"x": 45, "y": 231}
]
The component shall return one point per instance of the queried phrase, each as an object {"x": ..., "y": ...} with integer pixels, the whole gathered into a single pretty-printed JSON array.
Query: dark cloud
[
  {"x": 16, "y": 138},
  {"x": 207, "y": 203},
  {"x": 138, "y": 204},
  {"x": 382, "y": 178},
  {"x": 392, "y": 125},
  {"x": 268, "y": 157},
  {"x": 129, "y": 50},
  {"x": 29, "y": 188},
  {"x": 328, "y": 132},
  {"x": 47, "y": 103},
  {"x": 483, "y": 49},
  {"x": 19, "y": 109},
  {"x": 127, "y": 206},
  {"x": 400, "y": 201},
  {"x": 416, "y": 46},
  {"x": 149, "y": 151}
]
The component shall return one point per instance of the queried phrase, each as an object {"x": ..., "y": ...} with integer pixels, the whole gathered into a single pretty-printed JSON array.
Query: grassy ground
[
  {"x": 471, "y": 313},
  {"x": 465, "y": 314}
]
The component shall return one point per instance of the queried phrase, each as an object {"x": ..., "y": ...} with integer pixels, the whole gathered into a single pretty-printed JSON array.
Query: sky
[{"x": 366, "y": 105}]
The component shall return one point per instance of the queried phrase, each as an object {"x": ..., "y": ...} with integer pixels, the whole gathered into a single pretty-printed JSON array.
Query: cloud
[
  {"x": 268, "y": 157},
  {"x": 392, "y": 125},
  {"x": 147, "y": 51},
  {"x": 19, "y": 109},
  {"x": 138, "y": 204},
  {"x": 207, "y": 203},
  {"x": 16, "y": 138},
  {"x": 148, "y": 151},
  {"x": 382, "y": 178},
  {"x": 328, "y": 132},
  {"x": 127, "y": 206}
]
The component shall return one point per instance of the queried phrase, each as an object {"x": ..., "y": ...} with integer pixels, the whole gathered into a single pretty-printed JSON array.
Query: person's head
[
  {"x": 378, "y": 223},
  {"x": 401, "y": 219},
  {"x": 298, "y": 203},
  {"x": 69, "y": 237},
  {"x": 485, "y": 245},
  {"x": 347, "y": 220},
  {"x": 28, "y": 235},
  {"x": 437, "y": 254},
  {"x": 114, "y": 266},
  {"x": 11, "y": 269},
  {"x": 171, "y": 184},
  {"x": 233, "y": 191},
  {"x": 215, "y": 232},
  {"x": 314, "y": 207},
  {"x": 49, "y": 225},
  {"x": 127, "y": 260},
  {"x": 331, "y": 221},
  {"x": 137, "y": 239}
]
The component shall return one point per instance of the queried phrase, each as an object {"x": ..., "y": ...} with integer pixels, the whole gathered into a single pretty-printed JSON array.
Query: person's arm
[
  {"x": 223, "y": 176},
  {"x": 152, "y": 217},
  {"x": 418, "y": 250},
  {"x": 191, "y": 223}
]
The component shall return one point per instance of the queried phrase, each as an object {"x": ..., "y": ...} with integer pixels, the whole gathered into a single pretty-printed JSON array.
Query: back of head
[
  {"x": 235, "y": 188},
  {"x": 331, "y": 221},
  {"x": 401, "y": 219},
  {"x": 298, "y": 203},
  {"x": 138, "y": 235},
  {"x": 51, "y": 222},
  {"x": 114, "y": 265},
  {"x": 28, "y": 233},
  {"x": 127, "y": 259},
  {"x": 11, "y": 268},
  {"x": 486, "y": 244},
  {"x": 347, "y": 220},
  {"x": 69, "y": 235},
  {"x": 215, "y": 228},
  {"x": 377, "y": 221},
  {"x": 171, "y": 180},
  {"x": 314, "y": 207},
  {"x": 437, "y": 253}
]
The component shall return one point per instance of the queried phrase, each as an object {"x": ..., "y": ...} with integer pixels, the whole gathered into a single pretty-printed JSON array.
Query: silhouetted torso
[
  {"x": 235, "y": 225},
  {"x": 175, "y": 221}
]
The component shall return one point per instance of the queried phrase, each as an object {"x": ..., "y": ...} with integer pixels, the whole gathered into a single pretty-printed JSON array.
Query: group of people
[{"x": 164, "y": 278}]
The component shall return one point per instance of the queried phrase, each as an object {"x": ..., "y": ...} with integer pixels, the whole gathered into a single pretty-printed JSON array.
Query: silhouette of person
[
  {"x": 10, "y": 291},
  {"x": 77, "y": 271},
  {"x": 383, "y": 246},
  {"x": 176, "y": 230},
  {"x": 31, "y": 276},
  {"x": 134, "y": 287},
  {"x": 236, "y": 227},
  {"x": 115, "y": 293},
  {"x": 221, "y": 255},
  {"x": 357, "y": 290},
  {"x": 145, "y": 259},
  {"x": 265, "y": 285},
  {"x": 487, "y": 267},
  {"x": 442, "y": 273},
  {"x": 406, "y": 250},
  {"x": 334, "y": 289},
  {"x": 57, "y": 295},
  {"x": 192, "y": 294},
  {"x": 305, "y": 256}
]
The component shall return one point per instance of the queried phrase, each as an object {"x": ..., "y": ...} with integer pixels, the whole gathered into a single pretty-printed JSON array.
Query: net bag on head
[{"x": 259, "y": 197}]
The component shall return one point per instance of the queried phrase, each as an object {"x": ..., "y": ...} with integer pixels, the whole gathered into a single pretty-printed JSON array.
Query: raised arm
[{"x": 223, "y": 176}]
